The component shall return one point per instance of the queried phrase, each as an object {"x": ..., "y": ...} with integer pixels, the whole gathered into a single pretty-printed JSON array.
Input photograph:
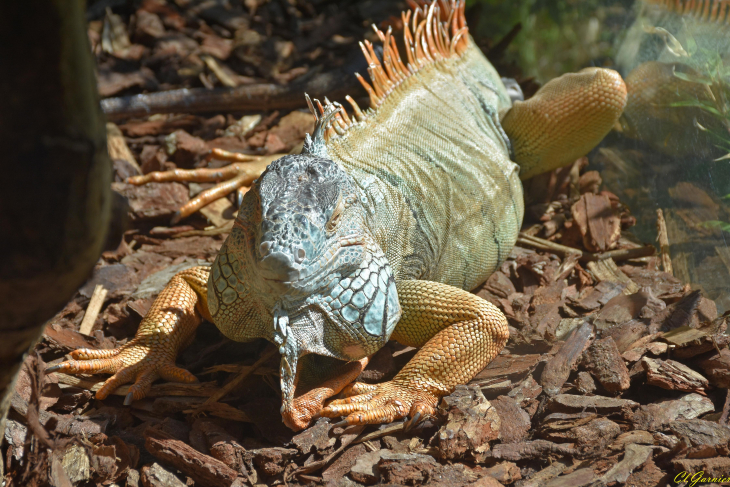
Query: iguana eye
[{"x": 336, "y": 217}]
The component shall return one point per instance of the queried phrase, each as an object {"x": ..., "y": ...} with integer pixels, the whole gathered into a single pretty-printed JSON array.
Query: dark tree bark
[{"x": 55, "y": 171}]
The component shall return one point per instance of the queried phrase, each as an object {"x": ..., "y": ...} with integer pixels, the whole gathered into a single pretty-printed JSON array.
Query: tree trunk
[{"x": 55, "y": 170}]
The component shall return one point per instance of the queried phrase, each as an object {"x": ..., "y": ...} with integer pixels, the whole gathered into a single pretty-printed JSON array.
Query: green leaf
[
  {"x": 691, "y": 44},
  {"x": 698, "y": 104},
  {"x": 693, "y": 78}
]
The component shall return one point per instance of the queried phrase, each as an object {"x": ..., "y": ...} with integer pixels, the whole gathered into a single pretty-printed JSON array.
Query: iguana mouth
[{"x": 312, "y": 271}]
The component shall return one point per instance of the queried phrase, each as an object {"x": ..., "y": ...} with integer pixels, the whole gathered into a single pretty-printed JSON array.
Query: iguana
[{"x": 377, "y": 231}]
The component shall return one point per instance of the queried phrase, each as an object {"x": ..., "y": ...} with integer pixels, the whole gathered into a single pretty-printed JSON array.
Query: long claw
[
  {"x": 174, "y": 373},
  {"x": 128, "y": 399},
  {"x": 341, "y": 424},
  {"x": 413, "y": 421},
  {"x": 176, "y": 218},
  {"x": 53, "y": 368}
]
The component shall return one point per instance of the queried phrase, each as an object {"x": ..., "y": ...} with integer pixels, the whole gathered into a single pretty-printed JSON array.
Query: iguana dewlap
[{"x": 378, "y": 230}]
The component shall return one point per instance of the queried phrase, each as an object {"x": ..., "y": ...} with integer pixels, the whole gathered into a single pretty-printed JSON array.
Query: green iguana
[{"x": 377, "y": 231}]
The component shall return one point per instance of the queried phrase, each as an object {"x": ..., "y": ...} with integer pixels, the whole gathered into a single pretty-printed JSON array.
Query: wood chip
[
  {"x": 598, "y": 222},
  {"x": 557, "y": 370},
  {"x": 717, "y": 368},
  {"x": 607, "y": 270},
  {"x": 634, "y": 457},
  {"x": 219, "y": 213},
  {"x": 118, "y": 148},
  {"x": 204, "y": 469},
  {"x": 673, "y": 375},
  {"x": 603, "y": 360},
  {"x": 600, "y": 404},
  {"x": 92, "y": 311}
]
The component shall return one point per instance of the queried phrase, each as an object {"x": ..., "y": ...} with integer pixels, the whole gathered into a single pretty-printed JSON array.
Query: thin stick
[
  {"x": 663, "y": 242},
  {"x": 621, "y": 254},
  {"x": 92, "y": 311},
  {"x": 542, "y": 244},
  {"x": 237, "y": 380}
]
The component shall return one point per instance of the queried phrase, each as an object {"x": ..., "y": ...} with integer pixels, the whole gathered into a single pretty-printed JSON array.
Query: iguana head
[{"x": 307, "y": 257}]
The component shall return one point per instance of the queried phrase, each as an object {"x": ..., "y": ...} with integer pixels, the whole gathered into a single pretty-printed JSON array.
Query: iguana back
[{"x": 433, "y": 161}]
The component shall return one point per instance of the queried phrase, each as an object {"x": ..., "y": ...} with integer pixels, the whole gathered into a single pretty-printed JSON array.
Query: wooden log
[
  {"x": 56, "y": 198},
  {"x": 607, "y": 270},
  {"x": 203, "y": 469}
]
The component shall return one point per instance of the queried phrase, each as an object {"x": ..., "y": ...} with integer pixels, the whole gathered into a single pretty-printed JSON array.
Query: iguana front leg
[
  {"x": 168, "y": 327},
  {"x": 459, "y": 334}
]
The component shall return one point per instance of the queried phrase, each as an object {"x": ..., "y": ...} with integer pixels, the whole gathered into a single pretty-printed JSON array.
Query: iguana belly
[{"x": 445, "y": 199}]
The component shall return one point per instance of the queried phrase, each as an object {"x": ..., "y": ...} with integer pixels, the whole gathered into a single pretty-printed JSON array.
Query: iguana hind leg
[
  {"x": 564, "y": 120},
  {"x": 167, "y": 328},
  {"x": 459, "y": 334},
  {"x": 234, "y": 177}
]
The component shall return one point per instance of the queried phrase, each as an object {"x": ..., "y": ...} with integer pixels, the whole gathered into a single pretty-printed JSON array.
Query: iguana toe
[
  {"x": 133, "y": 363},
  {"x": 384, "y": 403},
  {"x": 358, "y": 388},
  {"x": 299, "y": 413}
]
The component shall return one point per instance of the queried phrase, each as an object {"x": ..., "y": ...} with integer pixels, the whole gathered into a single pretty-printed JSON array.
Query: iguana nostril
[
  {"x": 264, "y": 248},
  {"x": 300, "y": 255}
]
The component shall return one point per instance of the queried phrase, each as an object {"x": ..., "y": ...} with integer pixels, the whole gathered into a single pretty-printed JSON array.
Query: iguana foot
[
  {"x": 304, "y": 408},
  {"x": 168, "y": 327},
  {"x": 234, "y": 177},
  {"x": 134, "y": 362},
  {"x": 382, "y": 403}
]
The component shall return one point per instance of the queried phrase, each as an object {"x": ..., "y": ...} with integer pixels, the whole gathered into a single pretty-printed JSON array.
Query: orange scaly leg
[
  {"x": 459, "y": 332},
  {"x": 236, "y": 176},
  {"x": 168, "y": 327},
  {"x": 565, "y": 119}
]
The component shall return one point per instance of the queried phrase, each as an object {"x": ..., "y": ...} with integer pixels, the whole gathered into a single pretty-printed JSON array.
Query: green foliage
[
  {"x": 710, "y": 70},
  {"x": 724, "y": 226}
]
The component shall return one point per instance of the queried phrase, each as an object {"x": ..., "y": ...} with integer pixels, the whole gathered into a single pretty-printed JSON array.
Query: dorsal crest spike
[
  {"x": 316, "y": 143},
  {"x": 433, "y": 32}
]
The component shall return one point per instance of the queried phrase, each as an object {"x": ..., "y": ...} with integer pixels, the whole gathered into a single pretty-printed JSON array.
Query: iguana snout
[{"x": 308, "y": 226}]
